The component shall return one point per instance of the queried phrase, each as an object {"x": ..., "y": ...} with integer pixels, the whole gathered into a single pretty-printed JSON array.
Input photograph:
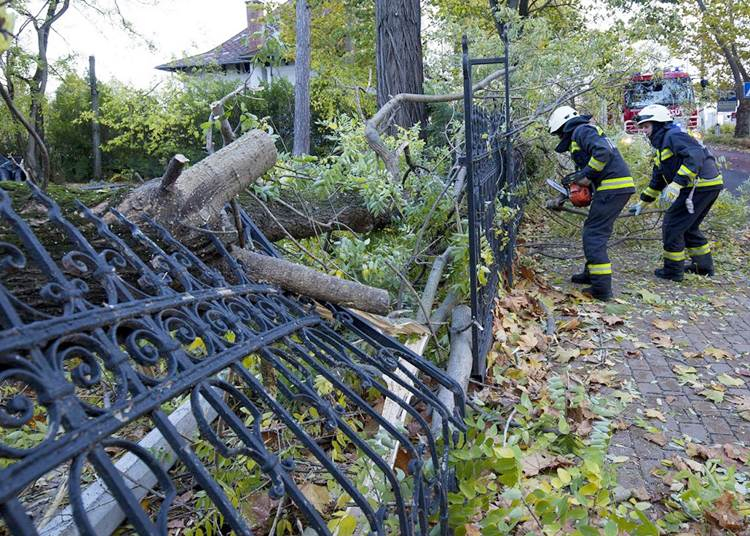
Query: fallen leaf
[
  {"x": 743, "y": 372},
  {"x": 641, "y": 494},
  {"x": 472, "y": 530},
  {"x": 692, "y": 355},
  {"x": 736, "y": 452},
  {"x": 730, "y": 381},
  {"x": 723, "y": 514},
  {"x": 742, "y": 402},
  {"x": 603, "y": 377},
  {"x": 661, "y": 340},
  {"x": 633, "y": 354},
  {"x": 651, "y": 297},
  {"x": 570, "y": 325},
  {"x": 535, "y": 463},
  {"x": 717, "y": 353},
  {"x": 612, "y": 320},
  {"x": 656, "y": 437},
  {"x": 714, "y": 395},
  {"x": 640, "y": 345},
  {"x": 655, "y": 414},
  {"x": 664, "y": 325},
  {"x": 319, "y": 496},
  {"x": 565, "y": 355},
  {"x": 527, "y": 342}
]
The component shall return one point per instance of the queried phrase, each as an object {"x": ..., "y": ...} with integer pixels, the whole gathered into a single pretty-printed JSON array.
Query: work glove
[
  {"x": 573, "y": 177},
  {"x": 671, "y": 193},
  {"x": 636, "y": 208}
]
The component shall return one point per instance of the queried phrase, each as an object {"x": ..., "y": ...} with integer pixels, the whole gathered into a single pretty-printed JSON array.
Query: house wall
[{"x": 259, "y": 74}]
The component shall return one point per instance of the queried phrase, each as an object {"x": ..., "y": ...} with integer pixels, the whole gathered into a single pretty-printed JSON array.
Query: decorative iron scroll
[{"x": 116, "y": 325}]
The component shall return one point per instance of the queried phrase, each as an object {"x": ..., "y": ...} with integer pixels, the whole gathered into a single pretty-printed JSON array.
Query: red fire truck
[{"x": 672, "y": 89}]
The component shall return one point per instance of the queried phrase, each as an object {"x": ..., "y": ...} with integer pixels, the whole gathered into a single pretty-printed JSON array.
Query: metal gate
[
  {"x": 109, "y": 332},
  {"x": 495, "y": 197}
]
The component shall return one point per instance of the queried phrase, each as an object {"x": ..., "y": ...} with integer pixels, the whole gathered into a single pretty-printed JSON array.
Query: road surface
[{"x": 738, "y": 166}]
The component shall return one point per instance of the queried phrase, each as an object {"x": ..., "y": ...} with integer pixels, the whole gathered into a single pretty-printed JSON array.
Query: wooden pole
[{"x": 95, "y": 132}]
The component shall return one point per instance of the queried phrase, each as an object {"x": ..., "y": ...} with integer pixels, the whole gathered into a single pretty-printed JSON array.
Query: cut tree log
[
  {"x": 317, "y": 285},
  {"x": 198, "y": 196},
  {"x": 459, "y": 362}
]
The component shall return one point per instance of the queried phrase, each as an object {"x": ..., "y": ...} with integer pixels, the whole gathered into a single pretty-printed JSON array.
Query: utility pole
[{"x": 96, "y": 140}]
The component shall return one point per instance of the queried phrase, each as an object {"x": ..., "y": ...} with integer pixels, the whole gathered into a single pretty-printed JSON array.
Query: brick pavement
[{"x": 706, "y": 313}]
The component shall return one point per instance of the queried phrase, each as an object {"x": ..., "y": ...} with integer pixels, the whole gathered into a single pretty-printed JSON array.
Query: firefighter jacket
[
  {"x": 596, "y": 156},
  {"x": 682, "y": 159}
]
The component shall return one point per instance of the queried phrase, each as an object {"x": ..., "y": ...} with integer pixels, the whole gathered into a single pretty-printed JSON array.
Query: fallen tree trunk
[
  {"x": 317, "y": 285},
  {"x": 459, "y": 362},
  {"x": 306, "y": 218},
  {"x": 198, "y": 195}
]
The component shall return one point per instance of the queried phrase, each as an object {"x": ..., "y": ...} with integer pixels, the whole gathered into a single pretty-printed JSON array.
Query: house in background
[{"x": 235, "y": 58}]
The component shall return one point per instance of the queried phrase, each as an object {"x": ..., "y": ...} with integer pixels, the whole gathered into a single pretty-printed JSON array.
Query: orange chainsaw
[{"x": 580, "y": 196}]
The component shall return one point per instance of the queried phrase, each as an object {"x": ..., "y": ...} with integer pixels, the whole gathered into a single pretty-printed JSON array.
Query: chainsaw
[{"x": 580, "y": 196}]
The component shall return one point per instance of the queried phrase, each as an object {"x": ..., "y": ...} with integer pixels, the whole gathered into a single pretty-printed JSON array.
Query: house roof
[{"x": 237, "y": 49}]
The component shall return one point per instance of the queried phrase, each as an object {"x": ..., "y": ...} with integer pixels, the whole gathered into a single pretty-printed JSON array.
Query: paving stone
[
  {"x": 717, "y": 425},
  {"x": 696, "y": 431}
]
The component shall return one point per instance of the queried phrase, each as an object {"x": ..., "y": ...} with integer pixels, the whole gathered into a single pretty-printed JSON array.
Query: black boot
[
  {"x": 701, "y": 265},
  {"x": 673, "y": 270},
  {"x": 584, "y": 278},
  {"x": 601, "y": 287}
]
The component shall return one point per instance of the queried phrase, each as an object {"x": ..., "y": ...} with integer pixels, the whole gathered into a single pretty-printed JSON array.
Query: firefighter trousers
[
  {"x": 605, "y": 207},
  {"x": 681, "y": 232}
]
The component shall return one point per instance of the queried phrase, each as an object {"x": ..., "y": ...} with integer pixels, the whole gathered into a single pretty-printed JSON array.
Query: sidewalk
[{"x": 683, "y": 350}]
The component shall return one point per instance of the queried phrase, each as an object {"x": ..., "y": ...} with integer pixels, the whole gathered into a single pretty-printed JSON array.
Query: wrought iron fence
[
  {"x": 495, "y": 194},
  {"x": 105, "y": 335}
]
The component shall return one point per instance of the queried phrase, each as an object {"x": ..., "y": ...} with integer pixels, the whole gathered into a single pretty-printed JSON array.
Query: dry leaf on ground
[
  {"x": 661, "y": 340},
  {"x": 657, "y": 437},
  {"x": 723, "y": 514},
  {"x": 664, "y": 325},
  {"x": 536, "y": 462},
  {"x": 655, "y": 414}
]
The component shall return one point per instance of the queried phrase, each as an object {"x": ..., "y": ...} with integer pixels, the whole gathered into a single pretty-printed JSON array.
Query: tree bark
[
  {"x": 459, "y": 362},
  {"x": 95, "y": 134},
  {"x": 306, "y": 218},
  {"x": 199, "y": 194},
  {"x": 302, "y": 81},
  {"x": 399, "y": 57},
  {"x": 308, "y": 282},
  {"x": 739, "y": 73}
]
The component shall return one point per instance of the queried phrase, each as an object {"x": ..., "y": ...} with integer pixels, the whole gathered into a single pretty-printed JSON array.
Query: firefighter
[
  {"x": 599, "y": 166},
  {"x": 685, "y": 176}
]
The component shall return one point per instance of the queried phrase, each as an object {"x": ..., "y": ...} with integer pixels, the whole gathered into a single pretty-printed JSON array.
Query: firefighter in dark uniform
[
  {"x": 599, "y": 166},
  {"x": 686, "y": 176}
]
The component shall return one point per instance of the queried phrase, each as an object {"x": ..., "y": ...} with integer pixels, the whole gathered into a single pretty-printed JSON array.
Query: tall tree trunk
[
  {"x": 399, "y": 57},
  {"x": 302, "y": 81},
  {"x": 95, "y": 134},
  {"x": 739, "y": 73},
  {"x": 742, "y": 128}
]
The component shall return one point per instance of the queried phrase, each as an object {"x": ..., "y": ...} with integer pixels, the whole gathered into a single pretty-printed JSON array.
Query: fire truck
[{"x": 673, "y": 89}]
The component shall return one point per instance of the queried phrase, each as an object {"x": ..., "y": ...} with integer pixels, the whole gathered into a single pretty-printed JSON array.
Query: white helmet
[
  {"x": 559, "y": 117},
  {"x": 654, "y": 112}
]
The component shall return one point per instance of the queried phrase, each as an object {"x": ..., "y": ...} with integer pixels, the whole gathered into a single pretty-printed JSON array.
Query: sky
[{"x": 175, "y": 27}]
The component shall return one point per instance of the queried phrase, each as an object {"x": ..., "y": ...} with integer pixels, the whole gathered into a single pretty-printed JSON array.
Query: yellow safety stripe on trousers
[
  {"x": 705, "y": 249},
  {"x": 686, "y": 172},
  {"x": 574, "y": 147},
  {"x": 616, "y": 184},
  {"x": 600, "y": 269},
  {"x": 595, "y": 164},
  {"x": 651, "y": 192},
  {"x": 674, "y": 255},
  {"x": 703, "y": 183}
]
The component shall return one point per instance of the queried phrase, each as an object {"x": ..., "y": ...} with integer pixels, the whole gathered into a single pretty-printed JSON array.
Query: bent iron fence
[
  {"x": 102, "y": 335},
  {"x": 495, "y": 194}
]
